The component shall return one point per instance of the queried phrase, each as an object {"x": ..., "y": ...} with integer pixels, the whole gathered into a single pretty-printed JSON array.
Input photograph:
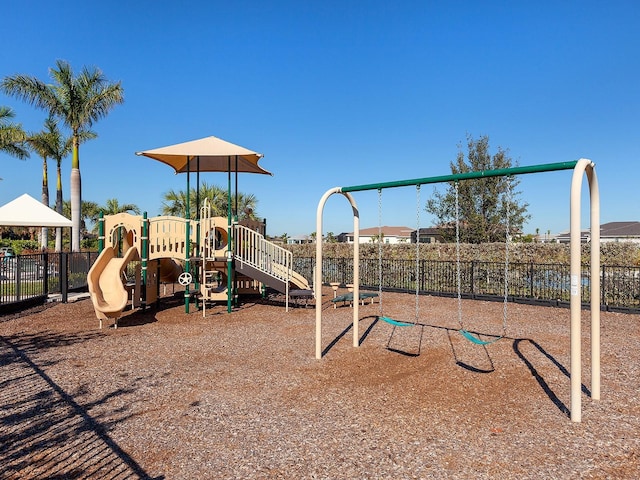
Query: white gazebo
[{"x": 26, "y": 211}]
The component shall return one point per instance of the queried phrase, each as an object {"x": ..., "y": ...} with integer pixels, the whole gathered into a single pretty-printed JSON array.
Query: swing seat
[
  {"x": 396, "y": 323},
  {"x": 474, "y": 339}
]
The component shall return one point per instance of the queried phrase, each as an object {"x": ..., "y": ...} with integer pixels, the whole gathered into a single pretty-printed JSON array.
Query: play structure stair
[{"x": 266, "y": 262}]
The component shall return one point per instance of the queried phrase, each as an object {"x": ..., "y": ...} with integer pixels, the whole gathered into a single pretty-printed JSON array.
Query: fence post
[
  {"x": 18, "y": 276},
  {"x": 531, "y": 274},
  {"x": 45, "y": 273},
  {"x": 64, "y": 276},
  {"x": 603, "y": 287},
  {"x": 472, "y": 287}
]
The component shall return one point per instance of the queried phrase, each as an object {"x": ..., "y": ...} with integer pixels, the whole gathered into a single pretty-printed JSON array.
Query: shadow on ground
[{"x": 44, "y": 432}]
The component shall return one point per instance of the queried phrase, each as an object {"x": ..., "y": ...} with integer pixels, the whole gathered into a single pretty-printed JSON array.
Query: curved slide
[
  {"x": 107, "y": 291},
  {"x": 170, "y": 270}
]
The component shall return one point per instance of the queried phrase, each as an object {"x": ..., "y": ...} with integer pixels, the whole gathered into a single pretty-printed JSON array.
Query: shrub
[{"x": 621, "y": 253}]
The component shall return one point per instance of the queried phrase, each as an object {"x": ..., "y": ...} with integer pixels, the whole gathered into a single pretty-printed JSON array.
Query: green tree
[
  {"x": 483, "y": 203},
  {"x": 247, "y": 204},
  {"x": 377, "y": 238},
  {"x": 78, "y": 101},
  {"x": 111, "y": 207},
  {"x": 50, "y": 143},
  {"x": 61, "y": 146},
  {"x": 89, "y": 210},
  {"x": 39, "y": 143},
  {"x": 174, "y": 202},
  {"x": 12, "y": 136}
]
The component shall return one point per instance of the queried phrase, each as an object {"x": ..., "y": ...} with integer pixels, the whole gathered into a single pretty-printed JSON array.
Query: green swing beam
[{"x": 501, "y": 172}]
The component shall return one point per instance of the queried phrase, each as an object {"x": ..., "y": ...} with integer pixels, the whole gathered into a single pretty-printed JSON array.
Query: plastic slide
[
  {"x": 295, "y": 278},
  {"x": 299, "y": 281},
  {"x": 170, "y": 270},
  {"x": 107, "y": 291}
]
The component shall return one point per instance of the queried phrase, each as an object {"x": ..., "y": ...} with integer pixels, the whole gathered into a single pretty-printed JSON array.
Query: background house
[
  {"x": 390, "y": 235},
  {"x": 609, "y": 232},
  {"x": 299, "y": 239},
  {"x": 427, "y": 235}
]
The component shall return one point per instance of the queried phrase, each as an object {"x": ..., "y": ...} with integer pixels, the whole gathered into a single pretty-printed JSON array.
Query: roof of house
[
  {"x": 386, "y": 231},
  {"x": 430, "y": 231},
  {"x": 620, "y": 229},
  {"x": 610, "y": 230}
]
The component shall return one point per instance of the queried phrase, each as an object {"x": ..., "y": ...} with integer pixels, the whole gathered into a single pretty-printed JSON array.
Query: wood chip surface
[{"x": 170, "y": 395}]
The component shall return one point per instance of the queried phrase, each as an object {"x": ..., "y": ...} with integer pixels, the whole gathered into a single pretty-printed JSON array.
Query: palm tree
[
  {"x": 50, "y": 143},
  {"x": 78, "y": 101},
  {"x": 377, "y": 238},
  {"x": 39, "y": 143},
  {"x": 174, "y": 202},
  {"x": 60, "y": 147},
  {"x": 247, "y": 204},
  {"x": 89, "y": 211},
  {"x": 216, "y": 195},
  {"x": 112, "y": 207},
  {"x": 12, "y": 137}
]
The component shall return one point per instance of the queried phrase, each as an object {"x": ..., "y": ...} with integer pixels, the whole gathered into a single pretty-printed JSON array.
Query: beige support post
[
  {"x": 317, "y": 281},
  {"x": 576, "y": 286},
  {"x": 595, "y": 283}
]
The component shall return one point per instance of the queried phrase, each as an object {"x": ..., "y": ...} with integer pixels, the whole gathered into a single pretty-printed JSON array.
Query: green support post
[
  {"x": 187, "y": 266},
  {"x": 101, "y": 232},
  {"x": 230, "y": 242},
  {"x": 144, "y": 257}
]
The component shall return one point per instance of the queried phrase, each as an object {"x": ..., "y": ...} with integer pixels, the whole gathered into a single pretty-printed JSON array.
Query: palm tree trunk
[
  {"x": 44, "y": 238},
  {"x": 76, "y": 192}
]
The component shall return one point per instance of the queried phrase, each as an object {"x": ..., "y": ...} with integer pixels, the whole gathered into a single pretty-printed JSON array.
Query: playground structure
[
  {"x": 162, "y": 247},
  {"x": 580, "y": 168}
]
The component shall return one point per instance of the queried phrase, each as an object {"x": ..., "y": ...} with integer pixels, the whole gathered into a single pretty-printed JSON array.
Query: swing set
[
  {"x": 580, "y": 168},
  {"x": 463, "y": 331}
]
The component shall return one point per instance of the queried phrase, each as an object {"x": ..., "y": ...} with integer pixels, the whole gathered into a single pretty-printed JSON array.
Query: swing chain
[
  {"x": 380, "y": 250},
  {"x": 418, "y": 273},
  {"x": 507, "y": 240},
  {"x": 458, "y": 276}
]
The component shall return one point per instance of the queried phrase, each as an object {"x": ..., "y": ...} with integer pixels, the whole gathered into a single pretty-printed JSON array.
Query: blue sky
[{"x": 343, "y": 93}]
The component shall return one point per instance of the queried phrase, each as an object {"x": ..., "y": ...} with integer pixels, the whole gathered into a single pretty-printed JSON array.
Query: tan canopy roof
[
  {"x": 209, "y": 154},
  {"x": 26, "y": 211}
]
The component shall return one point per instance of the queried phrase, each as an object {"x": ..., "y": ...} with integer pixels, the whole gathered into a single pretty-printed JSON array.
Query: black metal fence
[
  {"x": 547, "y": 284},
  {"x": 30, "y": 278},
  {"x": 26, "y": 279}
]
